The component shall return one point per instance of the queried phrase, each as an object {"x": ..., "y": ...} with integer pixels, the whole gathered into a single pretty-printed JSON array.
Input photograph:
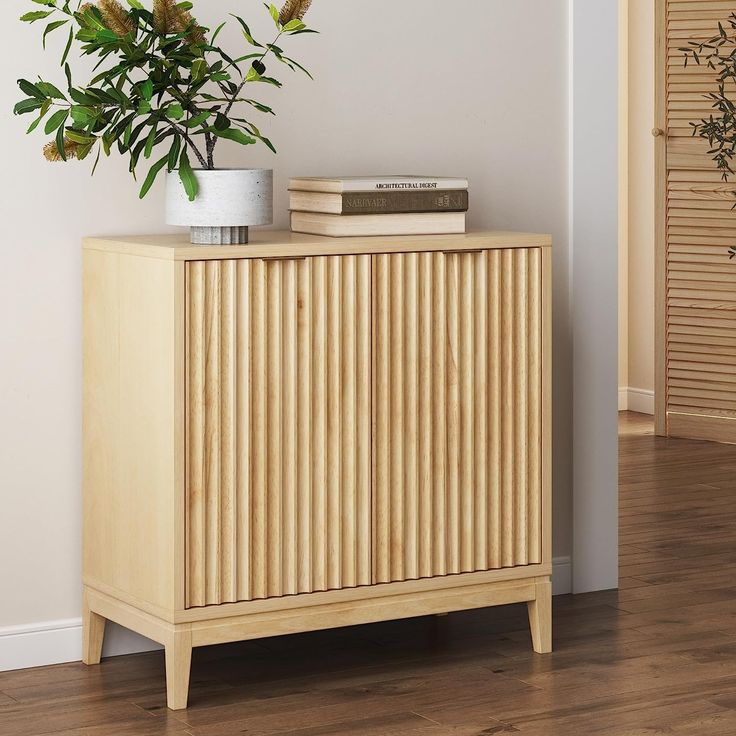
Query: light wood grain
[
  {"x": 282, "y": 371},
  {"x": 93, "y": 633},
  {"x": 132, "y": 430},
  {"x": 279, "y": 244},
  {"x": 178, "y": 668},
  {"x": 694, "y": 280},
  {"x": 540, "y": 617},
  {"x": 300, "y": 443},
  {"x": 441, "y": 321}
]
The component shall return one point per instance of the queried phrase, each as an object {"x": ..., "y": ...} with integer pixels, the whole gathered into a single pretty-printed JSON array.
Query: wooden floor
[{"x": 657, "y": 657}]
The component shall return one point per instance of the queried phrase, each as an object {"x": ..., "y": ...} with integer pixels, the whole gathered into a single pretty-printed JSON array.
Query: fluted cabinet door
[
  {"x": 278, "y": 427},
  {"x": 457, "y": 385}
]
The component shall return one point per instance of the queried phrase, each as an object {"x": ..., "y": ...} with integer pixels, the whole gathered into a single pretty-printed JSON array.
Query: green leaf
[
  {"x": 202, "y": 117},
  {"x": 82, "y": 138},
  {"x": 29, "y": 105},
  {"x": 274, "y": 14},
  {"x": 152, "y": 174},
  {"x": 147, "y": 90},
  {"x": 199, "y": 69},
  {"x": 217, "y": 32},
  {"x": 221, "y": 122},
  {"x": 233, "y": 134},
  {"x": 246, "y": 32},
  {"x": 175, "y": 111},
  {"x": 82, "y": 98},
  {"x": 31, "y": 89},
  {"x": 150, "y": 142},
  {"x": 260, "y": 106},
  {"x": 35, "y": 15},
  {"x": 49, "y": 90},
  {"x": 51, "y": 27},
  {"x": 135, "y": 4},
  {"x": 68, "y": 47},
  {"x": 60, "y": 142},
  {"x": 81, "y": 115},
  {"x": 144, "y": 107},
  {"x": 270, "y": 80},
  {"x": 174, "y": 152},
  {"x": 56, "y": 120},
  {"x": 294, "y": 25},
  {"x": 97, "y": 160},
  {"x": 187, "y": 176},
  {"x": 106, "y": 36},
  {"x": 44, "y": 109}
]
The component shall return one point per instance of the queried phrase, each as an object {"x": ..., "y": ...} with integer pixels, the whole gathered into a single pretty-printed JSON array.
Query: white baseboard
[
  {"x": 561, "y": 576},
  {"x": 56, "y": 642},
  {"x": 636, "y": 399}
]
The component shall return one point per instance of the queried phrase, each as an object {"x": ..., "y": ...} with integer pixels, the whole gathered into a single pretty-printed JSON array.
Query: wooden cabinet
[{"x": 305, "y": 433}]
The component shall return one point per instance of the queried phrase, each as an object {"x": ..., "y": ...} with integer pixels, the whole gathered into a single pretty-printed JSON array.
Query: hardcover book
[
  {"x": 402, "y": 183},
  {"x": 424, "y": 223},
  {"x": 378, "y": 203}
]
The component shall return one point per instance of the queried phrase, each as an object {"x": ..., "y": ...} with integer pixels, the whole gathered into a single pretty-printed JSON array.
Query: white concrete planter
[{"x": 229, "y": 202}]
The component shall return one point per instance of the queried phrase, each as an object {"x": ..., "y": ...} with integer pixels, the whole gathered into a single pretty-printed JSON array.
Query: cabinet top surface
[{"x": 281, "y": 244}]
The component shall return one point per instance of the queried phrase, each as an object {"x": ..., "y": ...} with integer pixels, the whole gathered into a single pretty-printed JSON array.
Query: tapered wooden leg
[
  {"x": 540, "y": 618},
  {"x": 178, "y": 667},
  {"x": 93, "y": 634}
]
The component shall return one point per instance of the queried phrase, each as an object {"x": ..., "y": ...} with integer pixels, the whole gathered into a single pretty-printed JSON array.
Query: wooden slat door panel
[
  {"x": 457, "y": 342},
  {"x": 697, "y": 296},
  {"x": 278, "y": 427}
]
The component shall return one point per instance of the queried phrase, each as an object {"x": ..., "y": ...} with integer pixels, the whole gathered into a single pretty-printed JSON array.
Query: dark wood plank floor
[{"x": 656, "y": 657}]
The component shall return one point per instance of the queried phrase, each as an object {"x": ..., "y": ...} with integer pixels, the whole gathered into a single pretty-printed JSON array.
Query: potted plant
[
  {"x": 719, "y": 129},
  {"x": 163, "y": 91}
]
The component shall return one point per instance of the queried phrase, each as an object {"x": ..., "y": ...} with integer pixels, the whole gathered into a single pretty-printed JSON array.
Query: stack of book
[{"x": 387, "y": 205}]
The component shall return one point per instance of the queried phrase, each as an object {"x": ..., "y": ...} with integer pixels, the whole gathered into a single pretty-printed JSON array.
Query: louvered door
[
  {"x": 458, "y": 412},
  {"x": 278, "y": 427},
  {"x": 696, "y": 281}
]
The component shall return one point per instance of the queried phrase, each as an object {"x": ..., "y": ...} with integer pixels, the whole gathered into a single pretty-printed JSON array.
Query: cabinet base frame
[{"x": 178, "y": 639}]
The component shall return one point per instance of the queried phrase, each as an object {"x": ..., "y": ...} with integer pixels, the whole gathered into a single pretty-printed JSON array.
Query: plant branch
[
  {"x": 189, "y": 142},
  {"x": 237, "y": 92}
]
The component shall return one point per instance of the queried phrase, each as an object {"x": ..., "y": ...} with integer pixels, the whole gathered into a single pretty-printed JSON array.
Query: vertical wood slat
[
  {"x": 318, "y": 429},
  {"x": 212, "y": 435},
  {"x": 228, "y": 449},
  {"x": 535, "y": 430},
  {"x": 495, "y": 399},
  {"x": 457, "y": 395},
  {"x": 278, "y": 427}
]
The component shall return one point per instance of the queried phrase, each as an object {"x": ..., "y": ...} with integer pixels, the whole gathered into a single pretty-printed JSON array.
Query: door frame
[{"x": 660, "y": 219}]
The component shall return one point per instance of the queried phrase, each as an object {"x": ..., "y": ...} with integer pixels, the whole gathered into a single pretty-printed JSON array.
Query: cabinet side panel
[{"x": 132, "y": 440}]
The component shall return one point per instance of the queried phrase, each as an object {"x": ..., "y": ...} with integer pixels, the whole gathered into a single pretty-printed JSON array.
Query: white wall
[
  {"x": 594, "y": 191},
  {"x": 471, "y": 88}
]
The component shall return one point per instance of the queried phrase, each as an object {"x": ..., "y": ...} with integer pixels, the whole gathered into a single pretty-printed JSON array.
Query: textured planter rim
[{"x": 229, "y": 201}]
